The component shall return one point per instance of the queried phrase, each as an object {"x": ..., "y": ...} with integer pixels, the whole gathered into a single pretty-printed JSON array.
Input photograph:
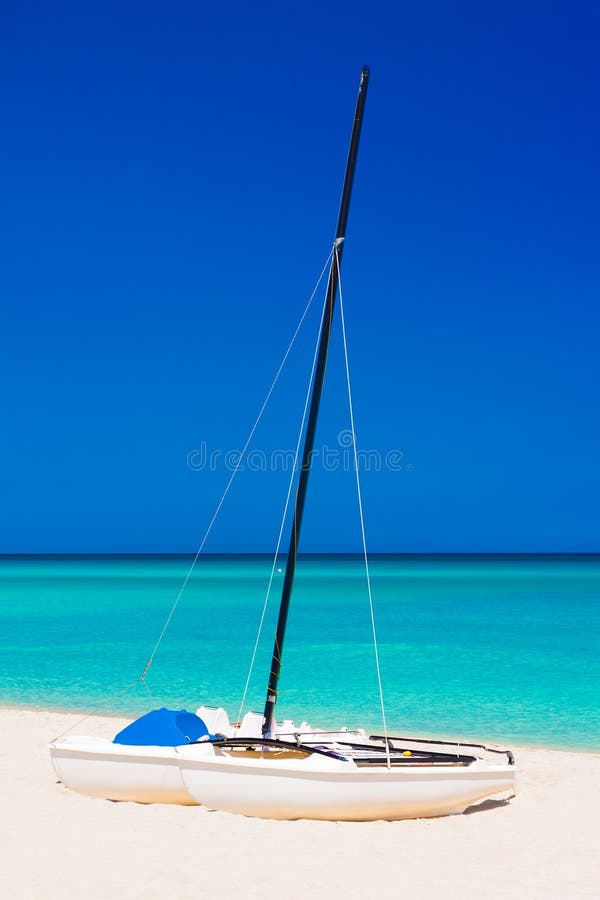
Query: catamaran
[{"x": 258, "y": 767}]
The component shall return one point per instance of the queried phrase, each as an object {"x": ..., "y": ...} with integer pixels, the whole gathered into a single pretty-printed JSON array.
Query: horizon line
[{"x": 307, "y": 554}]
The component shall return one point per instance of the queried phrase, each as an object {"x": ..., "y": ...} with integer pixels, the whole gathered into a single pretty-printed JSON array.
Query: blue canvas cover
[{"x": 163, "y": 728}]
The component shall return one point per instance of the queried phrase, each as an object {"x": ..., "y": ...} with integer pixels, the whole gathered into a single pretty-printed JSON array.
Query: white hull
[
  {"x": 318, "y": 787},
  {"x": 277, "y": 783},
  {"x": 99, "y": 768}
]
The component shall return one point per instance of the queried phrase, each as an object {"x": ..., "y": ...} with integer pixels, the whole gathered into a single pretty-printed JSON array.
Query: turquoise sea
[{"x": 504, "y": 648}]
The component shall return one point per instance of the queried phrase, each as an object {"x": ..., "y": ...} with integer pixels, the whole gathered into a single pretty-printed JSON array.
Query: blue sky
[{"x": 170, "y": 175}]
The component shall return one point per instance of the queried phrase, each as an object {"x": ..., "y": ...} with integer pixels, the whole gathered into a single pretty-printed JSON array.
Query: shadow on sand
[{"x": 487, "y": 804}]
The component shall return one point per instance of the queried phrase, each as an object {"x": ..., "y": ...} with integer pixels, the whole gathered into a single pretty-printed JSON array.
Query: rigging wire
[
  {"x": 360, "y": 510},
  {"x": 234, "y": 473},
  {"x": 97, "y": 709},
  {"x": 284, "y": 516}
]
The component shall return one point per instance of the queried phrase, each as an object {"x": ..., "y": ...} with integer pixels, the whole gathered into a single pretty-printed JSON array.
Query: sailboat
[{"x": 259, "y": 767}]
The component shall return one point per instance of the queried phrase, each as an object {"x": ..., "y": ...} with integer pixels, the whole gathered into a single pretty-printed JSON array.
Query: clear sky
[{"x": 169, "y": 181}]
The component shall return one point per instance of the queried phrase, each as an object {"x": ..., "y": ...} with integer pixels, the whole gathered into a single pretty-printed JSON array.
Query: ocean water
[{"x": 499, "y": 648}]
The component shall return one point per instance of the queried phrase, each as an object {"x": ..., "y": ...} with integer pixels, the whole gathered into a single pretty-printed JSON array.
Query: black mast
[{"x": 332, "y": 287}]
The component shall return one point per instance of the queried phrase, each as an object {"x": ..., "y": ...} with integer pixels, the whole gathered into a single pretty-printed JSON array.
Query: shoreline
[
  {"x": 517, "y": 744},
  {"x": 541, "y": 843}
]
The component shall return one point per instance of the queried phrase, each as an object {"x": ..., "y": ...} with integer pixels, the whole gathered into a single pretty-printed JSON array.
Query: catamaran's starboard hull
[
  {"x": 99, "y": 768},
  {"x": 334, "y": 790}
]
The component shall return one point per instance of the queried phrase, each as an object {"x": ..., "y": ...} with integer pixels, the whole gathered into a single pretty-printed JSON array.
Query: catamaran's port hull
[
  {"x": 319, "y": 788},
  {"x": 99, "y": 768}
]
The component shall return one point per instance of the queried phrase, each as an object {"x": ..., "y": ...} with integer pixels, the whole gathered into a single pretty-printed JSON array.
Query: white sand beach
[{"x": 55, "y": 844}]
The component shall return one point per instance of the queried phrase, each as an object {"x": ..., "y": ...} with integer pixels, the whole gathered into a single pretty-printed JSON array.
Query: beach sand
[{"x": 542, "y": 844}]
